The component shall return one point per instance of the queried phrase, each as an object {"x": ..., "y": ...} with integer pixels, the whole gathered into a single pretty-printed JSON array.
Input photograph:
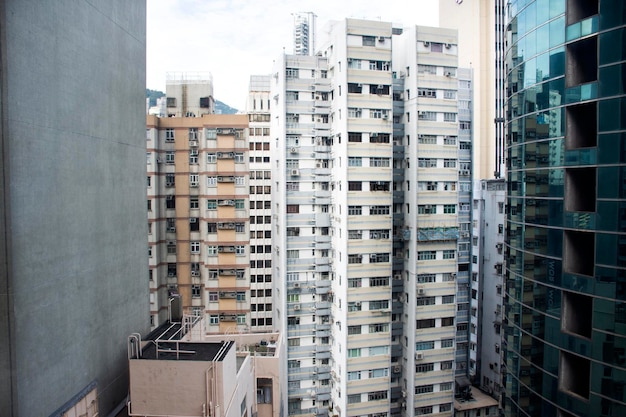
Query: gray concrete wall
[{"x": 73, "y": 142}]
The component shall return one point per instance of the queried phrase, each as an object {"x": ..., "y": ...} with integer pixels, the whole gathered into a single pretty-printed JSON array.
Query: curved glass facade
[{"x": 566, "y": 227}]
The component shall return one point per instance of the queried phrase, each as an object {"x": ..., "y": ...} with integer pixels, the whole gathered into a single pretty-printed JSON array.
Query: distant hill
[{"x": 220, "y": 107}]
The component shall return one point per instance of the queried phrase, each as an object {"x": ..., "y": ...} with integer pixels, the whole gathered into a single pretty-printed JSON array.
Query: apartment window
[
  {"x": 354, "y": 63},
  {"x": 378, "y": 350},
  {"x": 240, "y": 180},
  {"x": 170, "y": 202},
  {"x": 426, "y": 301},
  {"x": 354, "y": 353},
  {"x": 369, "y": 40},
  {"x": 379, "y": 162},
  {"x": 193, "y": 156},
  {"x": 293, "y": 208},
  {"x": 291, "y": 73},
  {"x": 379, "y": 234},
  {"x": 449, "y": 163},
  {"x": 355, "y": 186},
  {"x": 379, "y": 138},
  {"x": 355, "y": 283},
  {"x": 427, "y": 162},
  {"x": 195, "y": 291},
  {"x": 354, "y": 112},
  {"x": 447, "y": 343},
  {"x": 211, "y": 204},
  {"x": 149, "y": 181},
  {"x": 378, "y": 305},
  {"x": 377, "y": 395},
  {"x": 445, "y": 386},
  {"x": 355, "y": 259},
  {"x": 449, "y": 117},
  {"x": 169, "y": 135},
  {"x": 193, "y": 180},
  {"x": 428, "y": 255},
  {"x": 355, "y": 161},
  {"x": 426, "y": 92},
  {"x": 354, "y": 398},
  {"x": 240, "y": 250},
  {"x": 193, "y": 133},
  {"x": 194, "y": 247},
  {"x": 449, "y": 208},
  {"x": 355, "y": 137},
  {"x": 378, "y": 373},
  {"x": 379, "y": 258},
  {"x": 424, "y": 367},
  {"x": 379, "y": 328},
  {"x": 426, "y": 209},
  {"x": 214, "y": 319},
  {"x": 449, "y": 254},
  {"x": 239, "y": 158},
  {"x": 379, "y": 113},
  {"x": 425, "y": 278},
  {"x": 355, "y": 234},
  {"x": 211, "y": 158},
  {"x": 193, "y": 203},
  {"x": 447, "y": 299},
  {"x": 426, "y": 69},
  {"x": 427, "y": 139},
  {"x": 171, "y": 248},
  {"x": 374, "y": 210},
  {"x": 169, "y": 157},
  {"x": 420, "y": 411},
  {"x": 423, "y": 389},
  {"x": 445, "y": 365},
  {"x": 427, "y": 115},
  {"x": 379, "y": 281},
  {"x": 211, "y": 250},
  {"x": 425, "y": 345},
  {"x": 449, "y": 94},
  {"x": 354, "y": 330}
]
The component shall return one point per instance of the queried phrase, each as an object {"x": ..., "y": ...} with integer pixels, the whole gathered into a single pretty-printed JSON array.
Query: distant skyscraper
[
  {"x": 260, "y": 147},
  {"x": 304, "y": 33},
  {"x": 566, "y": 231},
  {"x": 73, "y": 268}
]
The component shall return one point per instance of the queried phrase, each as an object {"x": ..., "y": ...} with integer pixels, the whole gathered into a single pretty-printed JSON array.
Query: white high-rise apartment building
[
  {"x": 304, "y": 33},
  {"x": 260, "y": 150},
  {"x": 488, "y": 256},
  {"x": 366, "y": 229}
]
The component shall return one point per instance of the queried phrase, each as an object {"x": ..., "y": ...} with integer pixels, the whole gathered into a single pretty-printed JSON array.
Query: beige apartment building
[{"x": 197, "y": 178}]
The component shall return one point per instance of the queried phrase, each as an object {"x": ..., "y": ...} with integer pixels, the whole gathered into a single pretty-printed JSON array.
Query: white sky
[{"x": 234, "y": 39}]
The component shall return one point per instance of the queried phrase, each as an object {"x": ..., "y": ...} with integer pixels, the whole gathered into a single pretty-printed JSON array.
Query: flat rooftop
[
  {"x": 186, "y": 351},
  {"x": 480, "y": 400}
]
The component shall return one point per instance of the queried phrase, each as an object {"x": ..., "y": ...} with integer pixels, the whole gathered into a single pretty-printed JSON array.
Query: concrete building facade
[
  {"x": 198, "y": 220},
  {"x": 565, "y": 234},
  {"x": 72, "y": 206},
  {"x": 260, "y": 155},
  {"x": 488, "y": 282},
  {"x": 366, "y": 197}
]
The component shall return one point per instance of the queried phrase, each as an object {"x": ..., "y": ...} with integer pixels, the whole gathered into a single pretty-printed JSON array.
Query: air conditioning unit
[
  {"x": 294, "y": 149},
  {"x": 397, "y": 276},
  {"x": 380, "y": 87},
  {"x": 219, "y": 130},
  {"x": 193, "y": 220},
  {"x": 195, "y": 273},
  {"x": 426, "y": 43},
  {"x": 466, "y": 172},
  {"x": 381, "y": 39},
  {"x": 171, "y": 229},
  {"x": 420, "y": 291},
  {"x": 403, "y": 394},
  {"x": 447, "y": 74},
  {"x": 419, "y": 356},
  {"x": 397, "y": 369},
  {"x": 296, "y": 307},
  {"x": 357, "y": 304},
  {"x": 385, "y": 116},
  {"x": 295, "y": 172},
  {"x": 448, "y": 46},
  {"x": 296, "y": 285}
]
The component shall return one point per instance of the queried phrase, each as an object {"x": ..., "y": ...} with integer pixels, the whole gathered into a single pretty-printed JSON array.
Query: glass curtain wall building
[{"x": 566, "y": 229}]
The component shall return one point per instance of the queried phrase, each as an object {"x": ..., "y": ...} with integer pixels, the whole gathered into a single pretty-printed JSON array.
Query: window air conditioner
[{"x": 419, "y": 356}]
